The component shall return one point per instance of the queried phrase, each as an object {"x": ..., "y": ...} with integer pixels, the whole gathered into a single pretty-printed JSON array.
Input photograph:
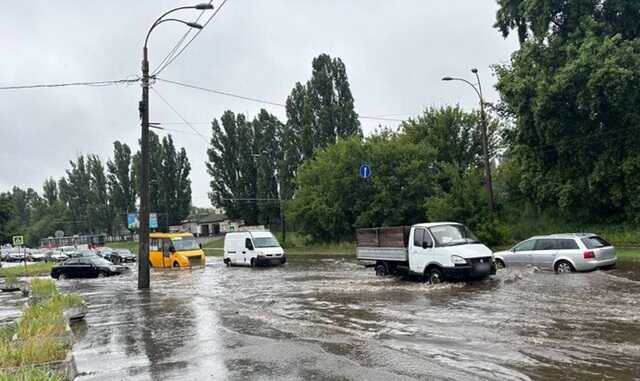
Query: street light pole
[
  {"x": 488, "y": 182},
  {"x": 143, "y": 232}
]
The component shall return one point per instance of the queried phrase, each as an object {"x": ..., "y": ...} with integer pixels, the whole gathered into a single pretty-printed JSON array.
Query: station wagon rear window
[{"x": 595, "y": 242}]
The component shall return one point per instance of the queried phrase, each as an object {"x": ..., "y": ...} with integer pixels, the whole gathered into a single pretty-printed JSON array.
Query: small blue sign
[
  {"x": 365, "y": 171},
  {"x": 153, "y": 221}
]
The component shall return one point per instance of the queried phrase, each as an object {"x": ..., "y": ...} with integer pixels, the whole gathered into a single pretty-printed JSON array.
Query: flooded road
[{"x": 329, "y": 318}]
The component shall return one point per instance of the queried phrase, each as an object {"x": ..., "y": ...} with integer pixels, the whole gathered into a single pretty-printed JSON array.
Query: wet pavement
[{"x": 329, "y": 318}]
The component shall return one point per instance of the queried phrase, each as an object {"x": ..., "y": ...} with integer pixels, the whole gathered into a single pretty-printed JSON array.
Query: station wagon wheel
[
  {"x": 500, "y": 264},
  {"x": 564, "y": 267},
  {"x": 434, "y": 276}
]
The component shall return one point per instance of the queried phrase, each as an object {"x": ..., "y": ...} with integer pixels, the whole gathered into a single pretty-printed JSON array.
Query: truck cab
[
  {"x": 252, "y": 248},
  {"x": 438, "y": 251}
]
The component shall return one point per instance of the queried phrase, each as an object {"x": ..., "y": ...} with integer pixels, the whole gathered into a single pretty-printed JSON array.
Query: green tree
[
  {"x": 50, "y": 191},
  {"x": 121, "y": 183},
  {"x": 571, "y": 90},
  {"x": 267, "y": 152}
]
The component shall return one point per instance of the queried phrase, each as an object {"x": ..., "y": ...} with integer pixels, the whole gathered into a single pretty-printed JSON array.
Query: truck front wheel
[
  {"x": 382, "y": 269},
  {"x": 434, "y": 275}
]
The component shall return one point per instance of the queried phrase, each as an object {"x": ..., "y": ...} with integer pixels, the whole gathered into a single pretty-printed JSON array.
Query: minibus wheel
[{"x": 176, "y": 264}]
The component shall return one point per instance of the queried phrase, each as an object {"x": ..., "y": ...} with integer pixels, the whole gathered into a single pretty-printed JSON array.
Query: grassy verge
[
  {"x": 39, "y": 334},
  {"x": 628, "y": 254},
  {"x": 130, "y": 245},
  {"x": 35, "y": 269}
]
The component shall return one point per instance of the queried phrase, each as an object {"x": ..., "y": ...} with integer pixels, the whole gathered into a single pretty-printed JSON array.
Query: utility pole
[
  {"x": 488, "y": 183},
  {"x": 143, "y": 233}
]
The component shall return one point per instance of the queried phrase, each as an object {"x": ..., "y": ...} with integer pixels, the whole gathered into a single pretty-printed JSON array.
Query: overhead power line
[
  {"x": 257, "y": 100},
  {"x": 180, "y": 115},
  {"x": 175, "y": 56},
  {"x": 181, "y": 40},
  {"x": 94, "y": 83}
]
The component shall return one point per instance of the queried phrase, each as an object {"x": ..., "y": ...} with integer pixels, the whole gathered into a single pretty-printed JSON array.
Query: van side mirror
[
  {"x": 426, "y": 245},
  {"x": 249, "y": 245},
  {"x": 200, "y": 246}
]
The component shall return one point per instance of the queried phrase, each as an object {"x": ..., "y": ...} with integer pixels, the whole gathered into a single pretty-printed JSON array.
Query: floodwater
[{"x": 328, "y": 318}]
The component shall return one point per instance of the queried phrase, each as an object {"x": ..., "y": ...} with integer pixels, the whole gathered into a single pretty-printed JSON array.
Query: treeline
[
  {"x": 95, "y": 198},
  {"x": 253, "y": 164},
  {"x": 564, "y": 137}
]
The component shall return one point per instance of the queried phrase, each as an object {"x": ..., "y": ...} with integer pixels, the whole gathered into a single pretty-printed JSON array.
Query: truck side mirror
[
  {"x": 172, "y": 249},
  {"x": 425, "y": 245}
]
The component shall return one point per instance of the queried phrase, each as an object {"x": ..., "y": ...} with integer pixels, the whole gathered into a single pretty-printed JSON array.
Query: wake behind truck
[{"x": 439, "y": 251}]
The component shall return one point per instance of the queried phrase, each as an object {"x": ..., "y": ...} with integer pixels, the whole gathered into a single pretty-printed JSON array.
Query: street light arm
[
  {"x": 159, "y": 21},
  {"x": 468, "y": 83}
]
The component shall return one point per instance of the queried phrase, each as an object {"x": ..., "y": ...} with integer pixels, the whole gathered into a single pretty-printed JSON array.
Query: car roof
[{"x": 564, "y": 235}]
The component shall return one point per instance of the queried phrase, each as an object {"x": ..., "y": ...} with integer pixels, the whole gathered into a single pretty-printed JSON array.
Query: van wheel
[
  {"x": 176, "y": 264},
  {"x": 564, "y": 267},
  {"x": 381, "y": 269},
  {"x": 500, "y": 264},
  {"x": 434, "y": 276}
]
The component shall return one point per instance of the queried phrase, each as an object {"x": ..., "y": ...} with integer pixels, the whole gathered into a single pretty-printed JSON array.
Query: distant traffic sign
[
  {"x": 153, "y": 221},
  {"x": 59, "y": 234},
  {"x": 18, "y": 240},
  {"x": 365, "y": 171}
]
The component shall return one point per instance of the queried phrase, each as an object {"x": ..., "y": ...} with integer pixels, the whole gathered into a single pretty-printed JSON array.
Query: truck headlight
[{"x": 458, "y": 260}]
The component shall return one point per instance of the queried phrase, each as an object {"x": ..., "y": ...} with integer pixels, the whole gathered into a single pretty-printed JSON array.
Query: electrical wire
[
  {"x": 180, "y": 115},
  {"x": 180, "y": 41},
  {"x": 257, "y": 100},
  {"x": 175, "y": 56},
  {"x": 49, "y": 85}
]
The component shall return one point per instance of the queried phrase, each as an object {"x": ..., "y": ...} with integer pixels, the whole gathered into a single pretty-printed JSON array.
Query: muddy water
[{"x": 328, "y": 318}]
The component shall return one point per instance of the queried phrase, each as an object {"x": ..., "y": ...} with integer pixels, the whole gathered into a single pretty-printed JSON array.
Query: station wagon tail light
[{"x": 589, "y": 254}]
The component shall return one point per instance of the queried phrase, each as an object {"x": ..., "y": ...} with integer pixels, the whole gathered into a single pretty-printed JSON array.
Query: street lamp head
[
  {"x": 194, "y": 25},
  {"x": 203, "y": 6},
  {"x": 447, "y": 79},
  {"x": 474, "y": 70}
]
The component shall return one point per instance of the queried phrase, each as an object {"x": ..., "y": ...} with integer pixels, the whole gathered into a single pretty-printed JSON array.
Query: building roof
[{"x": 205, "y": 218}]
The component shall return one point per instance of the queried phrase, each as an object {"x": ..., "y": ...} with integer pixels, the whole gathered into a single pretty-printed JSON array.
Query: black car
[{"x": 86, "y": 267}]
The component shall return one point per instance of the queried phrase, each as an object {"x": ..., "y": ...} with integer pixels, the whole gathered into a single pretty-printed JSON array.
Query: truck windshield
[
  {"x": 185, "y": 243},
  {"x": 450, "y": 235},
  {"x": 265, "y": 242}
]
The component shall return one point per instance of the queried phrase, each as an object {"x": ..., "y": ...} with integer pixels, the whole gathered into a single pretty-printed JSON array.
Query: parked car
[
  {"x": 38, "y": 255},
  {"x": 561, "y": 252},
  {"x": 83, "y": 254},
  {"x": 56, "y": 256},
  {"x": 86, "y": 267},
  {"x": 438, "y": 251},
  {"x": 17, "y": 255},
  {"x": 252, "y": 248},
  {"x": 124, "y": 256}
]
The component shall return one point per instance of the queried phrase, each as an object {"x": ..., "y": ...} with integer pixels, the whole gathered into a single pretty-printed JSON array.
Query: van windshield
[
  {"x": 265, "y": 242},
  {"x": 185, "y": 243},
  {"x": 451, "y": 235}
]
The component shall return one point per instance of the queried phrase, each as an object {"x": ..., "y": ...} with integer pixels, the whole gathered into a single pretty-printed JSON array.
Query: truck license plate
[{"x": 483, "y": 267}]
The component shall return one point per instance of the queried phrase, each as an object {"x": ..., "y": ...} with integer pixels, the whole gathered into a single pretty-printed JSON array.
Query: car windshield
[
  {"x": 185, "y": 243},
  {"x": 454, "y": 234},
  {"x": 124, "y": 251},
  {"x": 266, "y": 242}
]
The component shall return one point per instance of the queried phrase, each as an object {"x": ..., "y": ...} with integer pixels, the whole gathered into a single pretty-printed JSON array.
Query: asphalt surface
[{"x": 329, "y": 318}]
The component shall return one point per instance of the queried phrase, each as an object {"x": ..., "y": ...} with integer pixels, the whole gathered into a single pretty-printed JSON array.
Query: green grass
[
  {"x": 30, "y": 374},
  {"x": 39, "y": 331},
  {"x": 628, "y": 254},
  {"x": 131, "y": 245},
  {"x": 35, "y": 269}
]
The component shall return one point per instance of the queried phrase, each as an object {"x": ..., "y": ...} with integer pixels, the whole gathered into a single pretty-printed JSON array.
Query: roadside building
[{"x": 205, "y": 225}]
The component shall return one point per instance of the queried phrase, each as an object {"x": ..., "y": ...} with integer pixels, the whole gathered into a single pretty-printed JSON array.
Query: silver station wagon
[{"x": 561, "y": 252}]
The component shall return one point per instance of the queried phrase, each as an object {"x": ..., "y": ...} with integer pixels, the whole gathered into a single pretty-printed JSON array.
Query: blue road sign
[
  {"x": 153, "y": 221},
  {"x": 365, "y": 171}
]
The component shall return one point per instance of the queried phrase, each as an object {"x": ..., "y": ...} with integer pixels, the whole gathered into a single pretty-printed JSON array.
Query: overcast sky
[{"x": 395, "y": 53}]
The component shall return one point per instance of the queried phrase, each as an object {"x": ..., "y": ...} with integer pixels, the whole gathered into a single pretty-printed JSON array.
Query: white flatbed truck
[{"x": 438, "y": 251}]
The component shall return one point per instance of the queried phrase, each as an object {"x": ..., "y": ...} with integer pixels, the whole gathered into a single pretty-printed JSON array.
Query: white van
[{"x": 252, "y": 248}]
